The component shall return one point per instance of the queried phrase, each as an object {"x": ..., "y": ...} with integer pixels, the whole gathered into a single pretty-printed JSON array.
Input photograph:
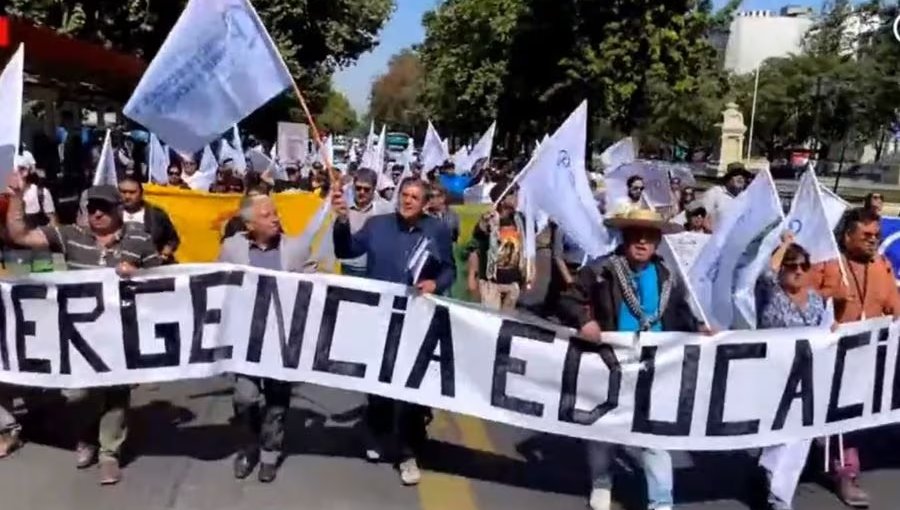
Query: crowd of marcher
[{"x": 374, "y": 235}]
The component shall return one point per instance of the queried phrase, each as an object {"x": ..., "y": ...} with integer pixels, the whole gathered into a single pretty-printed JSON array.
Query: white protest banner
[
  {"x": 676, "y": 391},
  {"x": 735, "y": 243},
  {"x": 687, "y": 247},
  {"x": 216, "y": 67},
  {"x": 105, "y": 173},
  {"x": 293, "y": 142},
  {"x": 11, "y": 86},
  {"x": 558, "y": 185}
]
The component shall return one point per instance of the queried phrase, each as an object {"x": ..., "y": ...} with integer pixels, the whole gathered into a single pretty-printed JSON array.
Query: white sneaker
[
  {"x": 601, "y": 499},
  {"x": 373, "y": 455},
  {"x": 409, "y": 472}
]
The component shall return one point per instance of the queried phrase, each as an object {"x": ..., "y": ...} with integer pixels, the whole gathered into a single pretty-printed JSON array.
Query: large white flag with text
[
  {"x": 11, "y": 83},
  {"x": 217, "y": 65}
]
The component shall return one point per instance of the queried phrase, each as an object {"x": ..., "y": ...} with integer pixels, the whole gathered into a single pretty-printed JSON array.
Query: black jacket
[
  {"x": 160, "y": 228},
  {"x": 595, "y": 296}
]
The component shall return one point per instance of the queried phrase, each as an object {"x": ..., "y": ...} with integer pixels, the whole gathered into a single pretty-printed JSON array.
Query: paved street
[{"x": 182, "y": 444}]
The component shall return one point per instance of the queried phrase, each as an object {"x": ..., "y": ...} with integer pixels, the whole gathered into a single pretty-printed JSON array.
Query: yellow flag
[{"x": 200, "y": 217}]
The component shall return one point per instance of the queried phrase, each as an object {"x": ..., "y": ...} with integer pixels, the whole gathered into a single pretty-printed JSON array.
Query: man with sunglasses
[
  {"x": 868, "y": 291},
  {"x": 105, "y": 241},
  {"x": 366, "y": 204}
]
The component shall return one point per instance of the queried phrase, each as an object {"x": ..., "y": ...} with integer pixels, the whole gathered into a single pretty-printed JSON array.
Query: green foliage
[
  {"x": 315, "y": 37},
  {"x": 529, "y": 62},
  {"x": 337, "y": 116},
  {"x": 396, "y": 98}
]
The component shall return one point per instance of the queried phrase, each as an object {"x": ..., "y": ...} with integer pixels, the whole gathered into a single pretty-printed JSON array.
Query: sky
[{"x": 405, "y": 29}]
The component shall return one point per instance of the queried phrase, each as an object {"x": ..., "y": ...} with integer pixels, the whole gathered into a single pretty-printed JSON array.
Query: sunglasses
[
  {"x": 174, "y": 174},
  {"x": 104, "y": 207},
  {"x": 793, "y": 266}
]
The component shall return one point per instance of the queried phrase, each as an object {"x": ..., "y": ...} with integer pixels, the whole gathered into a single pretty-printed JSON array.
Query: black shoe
[
  {"x": 268, "y": 472},
  {"x": 244, "y": 464}
]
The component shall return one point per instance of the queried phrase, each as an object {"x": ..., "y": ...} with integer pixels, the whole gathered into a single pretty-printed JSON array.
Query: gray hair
[{"x": 248, "y": 203}]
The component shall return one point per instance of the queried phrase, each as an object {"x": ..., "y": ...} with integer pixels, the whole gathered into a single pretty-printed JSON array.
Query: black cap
[{"x": 105, "y": 193}]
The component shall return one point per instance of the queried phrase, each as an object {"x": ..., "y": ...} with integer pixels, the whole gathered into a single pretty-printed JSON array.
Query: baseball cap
[{"x": 105, "y": 193}]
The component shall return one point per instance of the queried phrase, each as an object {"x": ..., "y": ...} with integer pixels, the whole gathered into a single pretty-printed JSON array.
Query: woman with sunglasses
[{"x": 786, "y": 300}]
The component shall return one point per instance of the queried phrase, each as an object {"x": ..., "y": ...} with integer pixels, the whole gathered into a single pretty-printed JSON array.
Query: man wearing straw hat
[{"x": 633, "y": 291}]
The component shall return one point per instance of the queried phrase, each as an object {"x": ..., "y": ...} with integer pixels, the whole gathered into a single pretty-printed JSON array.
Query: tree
[
  {"x": 337, "y": 116},
  {"x": 396, "y": 97},
  {"x": 314, "y": 37},
  {"x": 530, "y": 62}
]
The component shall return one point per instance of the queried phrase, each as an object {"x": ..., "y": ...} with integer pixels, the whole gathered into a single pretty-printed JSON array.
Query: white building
[{"x": 755, "y": 36}]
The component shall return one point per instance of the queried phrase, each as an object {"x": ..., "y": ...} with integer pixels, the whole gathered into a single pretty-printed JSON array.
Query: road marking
[{"x": 440, "y": 491}]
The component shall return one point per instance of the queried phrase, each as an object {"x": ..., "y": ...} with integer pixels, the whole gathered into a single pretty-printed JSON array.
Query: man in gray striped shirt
[{"x": 106, "y": 241}]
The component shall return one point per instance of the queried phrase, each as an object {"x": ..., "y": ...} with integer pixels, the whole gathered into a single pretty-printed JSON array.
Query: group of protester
[{"x": 374, "y": 236}]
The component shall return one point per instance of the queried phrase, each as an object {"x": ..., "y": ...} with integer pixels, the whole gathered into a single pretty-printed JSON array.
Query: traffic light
[{"x": 4, "y": 32}]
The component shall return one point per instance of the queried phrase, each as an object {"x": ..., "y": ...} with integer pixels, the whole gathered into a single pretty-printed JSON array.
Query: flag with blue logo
[
  {"x": 890, "y": 245},
  {"x": 217, "y": 66}
]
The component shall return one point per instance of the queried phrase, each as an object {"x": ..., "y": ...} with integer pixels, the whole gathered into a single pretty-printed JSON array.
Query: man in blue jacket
[{"x": 392, "y": 244}]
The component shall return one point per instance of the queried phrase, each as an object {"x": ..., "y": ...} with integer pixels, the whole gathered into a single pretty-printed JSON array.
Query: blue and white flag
[
  {"x": 890, "y": 246},
  {"x": 216, "y": 67},
  {"x": 735, "y": 244},
  {"x": 11, "y": 84},
  {"x": 105, "y": 173},
  {"x": 558, "y": 185},
  {"x": 158, "y": 161}
]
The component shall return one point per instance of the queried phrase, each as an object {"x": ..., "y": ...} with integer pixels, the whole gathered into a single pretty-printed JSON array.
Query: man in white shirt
[{"x": 718, "y": 199}]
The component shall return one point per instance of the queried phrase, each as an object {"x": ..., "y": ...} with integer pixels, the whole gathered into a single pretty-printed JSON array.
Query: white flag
[
  {"x": 481, "y": 151},
  {"x": 809, "y": 221},
  {"x": 835, "y": 207},
  {"x": 380, "y": 151},
  {"x": 618, "y": 154},
  {"x": 217, "y": 65},
  {"x": 205, "y": 175},
  {"x": 460, "y": 159},
  {"x": 240, "y": 160},
  {"x": 433, "y": 151},
  {"x": 158, "y": 161},
  {"x": 657, "y": 190},
  {"x": 11, "y": 119},
  {"x": 370, "y": 140},
  {"x": 105, "y": 173},
  {"x": 735, "y": 244},
  {"x": 556, "y": 181},
  {"x": 373, "y": 157}
]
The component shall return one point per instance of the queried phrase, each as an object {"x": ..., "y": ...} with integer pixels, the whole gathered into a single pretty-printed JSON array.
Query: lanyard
[{"x": 863, "y": 291}]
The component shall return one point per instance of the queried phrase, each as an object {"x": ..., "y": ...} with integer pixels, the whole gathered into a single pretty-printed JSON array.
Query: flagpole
[
  {"x": 303, "y": 105},
  {"x": 753, "y": 112}
]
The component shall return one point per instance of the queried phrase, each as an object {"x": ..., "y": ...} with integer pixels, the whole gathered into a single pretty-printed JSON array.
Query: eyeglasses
[
  {"x": 99, "y": 205},
  {"x": 793, "y": 266}
]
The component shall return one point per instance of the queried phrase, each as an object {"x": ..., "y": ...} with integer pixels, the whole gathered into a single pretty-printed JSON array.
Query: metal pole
[
  {"x": 837, "y": 180},
  {"x": 753, "y": 113}
]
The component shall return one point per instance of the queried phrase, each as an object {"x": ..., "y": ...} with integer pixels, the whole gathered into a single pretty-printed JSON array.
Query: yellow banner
[{"x": 200, "y": 218}]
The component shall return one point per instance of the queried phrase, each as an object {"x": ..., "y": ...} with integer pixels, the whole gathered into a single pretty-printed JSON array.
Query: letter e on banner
[{"x": 505, "y": 364}]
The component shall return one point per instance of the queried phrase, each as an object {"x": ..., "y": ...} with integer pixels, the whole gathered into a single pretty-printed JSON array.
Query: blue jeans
[{"x": 657, "y": 466}]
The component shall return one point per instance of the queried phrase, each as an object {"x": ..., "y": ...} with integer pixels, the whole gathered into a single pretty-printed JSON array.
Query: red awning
[{"x": 65, "y": 60}]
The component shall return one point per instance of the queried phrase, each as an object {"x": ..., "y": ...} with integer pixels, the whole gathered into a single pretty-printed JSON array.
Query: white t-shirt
[
  {"x": 135, "y": 217},
  {"x": 31, "y": 197}
]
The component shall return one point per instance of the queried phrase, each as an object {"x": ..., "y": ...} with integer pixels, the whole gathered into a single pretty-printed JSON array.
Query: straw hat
[{"x": 635, "y": 217}]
